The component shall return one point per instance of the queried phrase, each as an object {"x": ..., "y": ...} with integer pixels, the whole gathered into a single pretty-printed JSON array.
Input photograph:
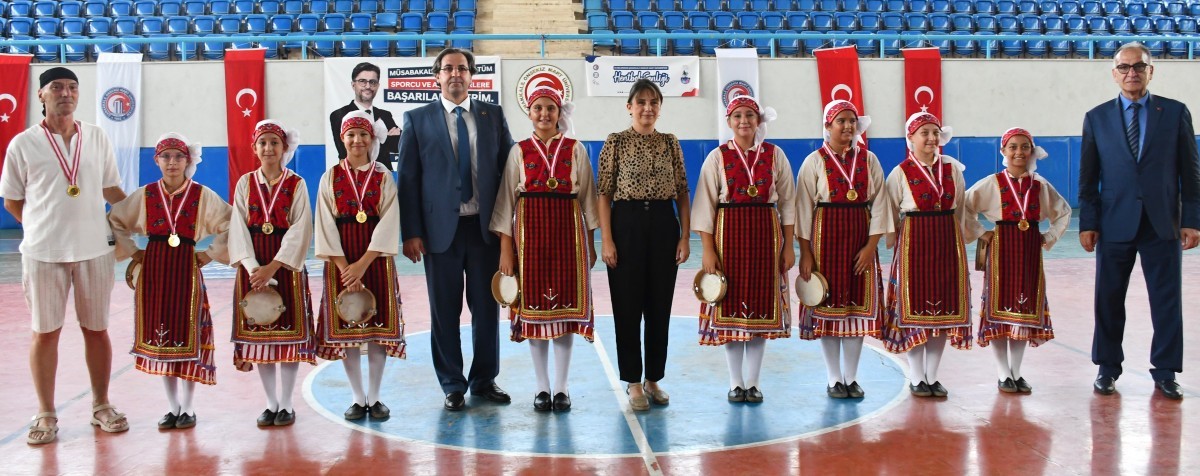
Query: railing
[{"x": 988, "y": 43}]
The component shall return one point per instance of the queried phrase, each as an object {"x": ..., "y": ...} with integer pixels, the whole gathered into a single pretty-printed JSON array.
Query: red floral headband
[
  {"x": 544, "y": 92},
  {"x": 836, "y": 108},
  {"x": 742, "y": 101},
  {"x": 270, "y": 128},
  {"x": 358, "y": 123},
  {"x": 172, "y": 143},
  {"x": 1016, "y": 131},
  {"x": 922, "y": 119}
]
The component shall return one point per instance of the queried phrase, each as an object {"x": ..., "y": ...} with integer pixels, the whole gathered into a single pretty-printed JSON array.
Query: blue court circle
[{"x": 699, "y": 419}]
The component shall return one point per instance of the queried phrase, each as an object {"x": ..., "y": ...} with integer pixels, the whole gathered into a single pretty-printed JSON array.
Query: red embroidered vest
[
  {"x": 537, "y": 173},
  {"x": 738, "y": 180}
]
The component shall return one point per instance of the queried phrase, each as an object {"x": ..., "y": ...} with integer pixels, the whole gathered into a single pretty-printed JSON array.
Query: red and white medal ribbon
[
  {"x": 274, "y": 196},
  {"x": 71, "y": 170},
  {"x": 537, "y": 144},
  {"x": 842, "y": 170},
  {"x": 173, "y": 240},
  {"x": 361, "y": 217},
  {"x": 1022, "y": 202},
  {"x": 937, "y": 186},
  {"x": 751, "y": 190}
]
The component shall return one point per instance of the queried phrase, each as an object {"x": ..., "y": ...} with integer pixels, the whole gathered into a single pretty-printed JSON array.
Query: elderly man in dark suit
[
  {"x": 366, "y": 80},
  {"x": 1139, "y": 194},
  {"x": 452, "y": 152}
]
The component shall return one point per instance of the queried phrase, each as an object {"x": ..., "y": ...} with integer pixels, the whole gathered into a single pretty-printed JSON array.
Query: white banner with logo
[
  {"x": 118, "y": 112},
  {"x": 737, "y": 75},
  {"x": 404, "y": 84},
  {"x": 676, "y": 76}
]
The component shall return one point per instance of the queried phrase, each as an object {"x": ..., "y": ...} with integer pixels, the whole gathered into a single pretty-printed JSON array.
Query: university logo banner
[
  {"x": 119, "y": 111},
  {"x": 14, "y": 94},
  {"x": 922, "y": 81},
  {"x": 676, "y": 76},
  {"x": 245, "y": 106},
  {"x": 837, "y": 70},
  {"x": 737, "y": 75}
]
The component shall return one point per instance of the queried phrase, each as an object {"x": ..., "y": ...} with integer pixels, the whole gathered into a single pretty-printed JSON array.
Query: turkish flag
[
  {"x": 245, "y": 106},
  {"x": 14, "y": 93},
  {"x": 837, "y": 70},
  {"x": 922, "y": 81}
]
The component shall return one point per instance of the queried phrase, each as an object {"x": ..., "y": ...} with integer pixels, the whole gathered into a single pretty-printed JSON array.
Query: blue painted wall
[{"x": 980, "y": 154}]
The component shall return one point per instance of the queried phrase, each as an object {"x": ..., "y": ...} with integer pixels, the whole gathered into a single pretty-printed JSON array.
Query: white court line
[{"x": 635, "y": 427}]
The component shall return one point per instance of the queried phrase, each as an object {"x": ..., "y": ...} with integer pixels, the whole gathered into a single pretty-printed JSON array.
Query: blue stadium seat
[
  {"x": 1008, "y": 24},
  {"x": 1070, "y": 7},
  {"x": 875, "y": 6},
  {"x": 1061, "y": 47},
  {"x": 373, "y": 6},
  {"x": 1012, "y": 47},
  {"x": 629, "y": 46},
  {"x": 120, "y": 8},
  {"x": 397, "y": 7},
  {"x": 939, "y": 22},
  {"x": 46, "y": 52},
  {"x": 821, "y": 21},
  {"x": 1031, "y": 24},
  {"x": 195, "y": 7},
  {"x": 622, "y": 20},
  {"x": 74, "y": 53},
  {"x": 1123, "y": 25},
  {"x": 674, "y": 20},
  {"x": 852, "y": 6},
  {"x": 1028, "y": 7},
  {"x": 963, "y": 6},
  {"x": 731, "y": 5},
  {"x": 1176, "y": 48},
  {"x": 336, "y": 22},
  {"x": 1156, "y": 47},
  {"x": 441, "y": 5},
  {"x": 461, "y": 43},
  {"x": 838, "y": 41},
  {"x": 145, "y": 8},
  {"x": 47, "y": 26},
  {"x": 985, "y": 7},
  {"x": 773, "y": 21},
  {"x": 345, "y": 7},
  {"x": 708, "y": 46},
  {"x": 804, "y": 6},
  {"x": 828, "y": 5},
  {"x": 418, "y": 6},
  {"x": 219, "y": 7},
  {"x": 1156, "y": 8},
  {"x": 1050, "y": 7},
  {"x": 70, "y": 27},
  {"x": 168, "y": 8},
  {"x": 1178, "y": 8},
  {"x": 596, "y": 21},
  {"x": 243, "y": 7},
  {"x": 179, "y": 25},
  {"x": 962, "y": 22},
  {"x": 70, "y": 9},
  {"x": 438, "y": 22},
  {"x": 789, "y": 45},
  {"x": 1036, "y": 48},
  {"x": 945, "y": 47},
  {"x": 18, "y": 9},
  {"x": 351, "y": 47},
  {"x": 748, "y": 20},
  {"x": 762, "y": 45},
  {"x": 723, "y": 21},
  {"x": 412, "y": 22},
  {"x": 408, "y": 46},
  {"x": 324, "y": 48},
  {"x": 151, "y": 26},
  {"x": 123, "y": 26},
  {"x": 799, "y": 21},
  {"x": 918, "y": 6},
  {"x": 1165, "y": 25},
  {"x": 986, "y": 24},
  {"x": 869, "y": 22},
  {"x": 657, "y": 46},
  {"x": 987, "y": 46},
  {"x": 1091, "y": 7},
  {"x": 95, "y": 8},
  {"x": 212, "y": 50},
  {"x": 378, "y": 47},
  {"x": 43, "y": 9},
  {"x": 1053, "y": 24},
  {"x": 229, "y": 24},
  {"x": 940, "y": 6},
  {"x": 605, "y": 43},
  {"x": 1135, "y": 8},
  {"x": 293, "y": 7},
  {"x": 271, "y": 47},
  {"x": 689, "y": 5},
  {"x": 1186, "y": 25},
  {"x": 386, "y": 21},
  {"x": 308, "y": 23},
  {"x": 660, "y": 5},
  {"x": 683, "y": 46},
  {"x": 1193, "y": 9},
  {"x": 892, "y": 21},
  {"x": 361, "y": 22},
  {"x": 241, "y": 43},
  {"x": 1098, "y": 25},
  {"x": 648, "y": 20},
  {"x": 867, "y": 47},
  {"x": 1006, "y": 7},
  {"x": 98, "y": 26},
  {"x": 320, "y": 7},
  {"x": 617, "y": 5},
  {"x": 23, "y": 49},
  {"x": 203, "y": 25},
  {"x": 965, "y": 47},
  {"x": 1075, "y": 24},
  {"x": 916, "y": 22},
  {"x": 269, "y": 7},
  {"x": 760, "y": 5},
  {"x": 845, "y": 21},
  {"x": 1113, "y": 8},
  {"x": 281, "y": 23}
]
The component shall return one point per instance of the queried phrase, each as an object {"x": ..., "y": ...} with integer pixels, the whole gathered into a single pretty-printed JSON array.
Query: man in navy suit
[
  {"x": 1139, "y": 194},
  {"x": 452, "y": 152}
]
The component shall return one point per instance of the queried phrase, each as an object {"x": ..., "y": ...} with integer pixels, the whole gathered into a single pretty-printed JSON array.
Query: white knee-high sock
[
  {"x": 562, "y": 362},
  {"x": 933, "y": 356},
  {"x": 1000, "y": 351},
  {"x": 831, "y": 347},
  {"x": 186, "y": 391},
  {"x": 170, "y": 384},
  {"x": 287, "y": 382},
  {"x": 377, "y": 358},
  {"x": 353, "y": 365},
  {"x": 916, "y": 364},
  {"x": 266, "y": 373},
  {"x": 755, "y": 350},
  {"x": 1016, "y": 350},
  {"x": 540, "y": 351},
  {"x": 851, "y": 352},
  {"x": 734, "y": 352}
]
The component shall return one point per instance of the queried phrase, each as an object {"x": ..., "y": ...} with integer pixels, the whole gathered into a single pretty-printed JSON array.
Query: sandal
[
  {"x": 49, "y": 433},
  {"x": 116, "y": 424}
]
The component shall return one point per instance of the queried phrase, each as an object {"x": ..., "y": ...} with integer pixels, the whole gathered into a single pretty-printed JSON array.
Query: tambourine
[
  {"x": 355, "y": 307},
  {"x": 131, "y": 274},
  {"x": 981, "y": 249},
  {"x": 814, "y": 291},
  {"x": 505, "y": 289},
  {"x": 262, "y": 307},
  {"x": 709, "y": 287}
]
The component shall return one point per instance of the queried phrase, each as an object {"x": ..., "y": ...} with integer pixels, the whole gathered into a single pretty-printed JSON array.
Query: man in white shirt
[{"x": 57, "y": 176}]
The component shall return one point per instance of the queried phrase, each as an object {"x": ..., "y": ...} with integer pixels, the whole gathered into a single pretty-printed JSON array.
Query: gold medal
[
  {"x": 552, "y": 183},
  {"x": 937, "y": 205},
  {"x": 752, "y": 191},
  {"x": 268, "y": 228},
  {"x": 173, "y": 240},
  {"x": 72, "y": 190},
  {"x": 1023, "y": 225},
  {"x": 361, "y": 217},
  {"x": 852, "y": 195}
]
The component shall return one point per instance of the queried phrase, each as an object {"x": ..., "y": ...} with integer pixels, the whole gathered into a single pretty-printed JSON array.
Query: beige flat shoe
[
  {"x": 638, "y": 403},
  {"x": 116, "y": 424},
  {"x": 46, "y": 434},
  {"x": 659, "y": 396}
]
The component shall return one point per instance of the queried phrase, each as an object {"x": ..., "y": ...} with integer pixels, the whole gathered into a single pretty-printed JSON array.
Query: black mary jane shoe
[
  {"x": 938, "y": 390},
  {"x": 185, "y": 421},
  {"x": 541, "y": 402},
  {"x": 379, "y": 411},
  {"x": 837, "y": 390},
  {"x": 854, "y": 390},
  {"x": 737, "y": 395},
  {"x": 920, "y": 390},
  {"x": 355, "y": 412},
  {"x": 284, "y": 417},
  {"x": 168, "y": 421},
  {"x": 1007, "y": 385},
  {"x": 266, "y": 418},
  {"x": 562, "y": 402},
  {"x": 754, "y": 395},
  {"x": 1023, "y": 386}
]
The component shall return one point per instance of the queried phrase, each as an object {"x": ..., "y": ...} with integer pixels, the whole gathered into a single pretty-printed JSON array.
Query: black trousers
[{"x": 642, "y": 285}]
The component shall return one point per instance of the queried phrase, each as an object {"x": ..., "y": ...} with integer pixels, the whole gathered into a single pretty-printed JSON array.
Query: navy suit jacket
[
  {"x": 429, "y": 181},
  {"x": 1114, "y": 187}
]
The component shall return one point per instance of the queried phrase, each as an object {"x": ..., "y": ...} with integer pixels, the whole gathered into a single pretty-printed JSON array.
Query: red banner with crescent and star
[
  {"x": 245, "y": 106},
  {"x": 14, "y": 94},
  {"x": 837, "y": 70},
  {"x": 922, "y": 82}
]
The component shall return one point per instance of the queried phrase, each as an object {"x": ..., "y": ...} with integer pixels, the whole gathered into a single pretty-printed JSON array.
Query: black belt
[
  {"x": 163, "y": 238},
  {"x": 352, "y": 219},
  {"x": 570, "y": 196},
  {"x": 258, "y": 229},
  {"x": 931, "y": 213},
  {"x": 746, "y": 205},
  {"x": 1032, "y": 223},
  {"x": 643, "y": 204},
  {"x": 842, "y": 205}
]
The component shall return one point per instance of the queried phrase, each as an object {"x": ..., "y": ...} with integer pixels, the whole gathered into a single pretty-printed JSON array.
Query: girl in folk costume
[
  {"x": 357, "y": 234},
  {"x": 841, "y": 214},
  {"x": 745, "y": 212},
  {"x": 1014, "y": 310},
  {"x": 929, "y": 290},
  {"x": 269, "y": 237},
  {"x": 546, "y": 214},
  {"x": 173, "y": 334}
]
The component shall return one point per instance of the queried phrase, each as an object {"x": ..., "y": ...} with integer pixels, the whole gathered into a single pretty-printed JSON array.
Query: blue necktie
[
  {"x": 464, "y": 157},
  {"x": 1133, "y": 133}
]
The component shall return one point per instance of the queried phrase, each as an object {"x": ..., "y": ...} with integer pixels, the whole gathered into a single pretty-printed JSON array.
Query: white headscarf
[
  {"x": 378, "y": 131},
  {"x": 193, "y": 151},
  {"x": 864, "y": 122},
  {"x": 290, "y": 138}
]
